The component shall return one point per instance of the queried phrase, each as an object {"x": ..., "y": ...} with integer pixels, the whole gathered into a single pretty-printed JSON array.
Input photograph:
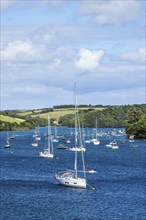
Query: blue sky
[{"x": 48, "y": 45}]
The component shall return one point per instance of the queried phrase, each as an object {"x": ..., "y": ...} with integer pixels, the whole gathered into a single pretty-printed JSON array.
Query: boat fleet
[
  {"x": 72, "y": 178},
  {"x": 78, "y": 141}
]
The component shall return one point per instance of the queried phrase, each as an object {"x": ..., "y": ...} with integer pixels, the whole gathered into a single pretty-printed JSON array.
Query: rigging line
[{"x": 90, "y": 186}]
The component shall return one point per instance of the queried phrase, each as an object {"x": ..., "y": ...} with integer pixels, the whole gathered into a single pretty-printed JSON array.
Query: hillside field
[
  {"x": 55, "y": 114},
  {"x": 11, "y": 119}
]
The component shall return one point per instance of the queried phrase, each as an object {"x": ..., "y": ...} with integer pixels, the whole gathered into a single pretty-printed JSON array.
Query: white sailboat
[
  {"x": 71, "y": 178},
  {"x": 87, "y": 140},
  {"x": 38, "y": 137},
  {"x": 35, "y": 143},
  {"x": 36, "y": 134},
  {"x": 78, "y": 149},
  {"x": 48, "y": 152},
  {"x": 113, "y": 145},
  {"x": 7, "y": 145},
  {"x": 55, "y": 136},
  {"x": 96, "y": 141}
]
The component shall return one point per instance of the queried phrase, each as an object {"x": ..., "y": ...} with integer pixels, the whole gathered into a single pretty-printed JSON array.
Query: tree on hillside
[{"x": 136, "y": 125}]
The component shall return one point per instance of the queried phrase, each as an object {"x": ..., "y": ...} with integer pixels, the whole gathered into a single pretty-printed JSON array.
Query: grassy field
[
  {"x": 10, "y": 119},
  {"x": 56, "y": 114},
  {"x": 30, "y": 112}
]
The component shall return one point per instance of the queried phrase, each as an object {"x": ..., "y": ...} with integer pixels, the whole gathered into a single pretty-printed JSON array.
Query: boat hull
[
  {"x": 115, "y": 147},
  {"x": 96, "y": 142},
  {"x": 87, "y": 142},
  {"x": 72, "y": 182},
  {"x": 78, "y": 149},
  {"x": 35, "y": 145},
  {"x": 42, "y": 154},
  {"x": 7, "y": 146}
]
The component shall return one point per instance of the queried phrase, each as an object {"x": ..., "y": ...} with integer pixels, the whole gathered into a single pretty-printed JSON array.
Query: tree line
[{"x": 131, "y": 117}]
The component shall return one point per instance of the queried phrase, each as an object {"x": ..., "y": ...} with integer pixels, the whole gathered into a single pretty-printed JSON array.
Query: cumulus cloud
[
  {"x": 136, "y": 56},
  {"x": 21, "y": 51},
  {"x": 106, "y": 12},
  {"x": 88, "y": 59}
]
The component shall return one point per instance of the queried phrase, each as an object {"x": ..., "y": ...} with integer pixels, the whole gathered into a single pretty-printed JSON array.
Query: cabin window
[{"x": 75, "y": 183}]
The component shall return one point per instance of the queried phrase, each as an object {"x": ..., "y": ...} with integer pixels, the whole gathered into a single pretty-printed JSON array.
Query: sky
[{"x": 47, "y": 45}]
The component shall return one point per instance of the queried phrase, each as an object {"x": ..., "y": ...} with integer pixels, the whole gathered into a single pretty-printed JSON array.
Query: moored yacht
[{"x": 71, "y": 178}]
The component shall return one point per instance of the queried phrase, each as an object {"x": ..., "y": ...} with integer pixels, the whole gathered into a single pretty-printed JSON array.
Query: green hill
[{"x": 11, "y": 119}]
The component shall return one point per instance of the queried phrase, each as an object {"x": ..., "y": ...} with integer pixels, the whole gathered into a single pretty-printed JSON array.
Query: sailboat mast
[
  {"x": 96, "y": 129},
  {"x": 49, "y": 134},
  {"x": 51, "y": 142},
  {"x": 75, "y": 164},
  {"x": 7, "y": 136}
]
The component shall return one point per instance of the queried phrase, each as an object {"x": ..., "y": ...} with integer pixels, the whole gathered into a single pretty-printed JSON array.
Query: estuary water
[{"x": 30, "y": 192}]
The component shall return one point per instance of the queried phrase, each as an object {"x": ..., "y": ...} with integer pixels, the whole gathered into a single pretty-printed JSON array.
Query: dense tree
[{"x": 136, "y": 125}]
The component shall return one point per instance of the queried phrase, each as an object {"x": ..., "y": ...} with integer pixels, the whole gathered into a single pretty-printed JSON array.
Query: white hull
[
  {"x": 96, "y": 142},
  {"x": 112, "y": 145},
  {"x": 7, "y": 146},
  {"x": 71, "y": 181},
  {"x": 34, "y": 144},
  {"x": 87, "y": 142},
  {"x": 55, "y": 140},
  {"x": 108, "y": 145},
  {"x": 46, "y": 154},
  {"x": 79, "y": 149},
  {"x": 115, "y": 147}
]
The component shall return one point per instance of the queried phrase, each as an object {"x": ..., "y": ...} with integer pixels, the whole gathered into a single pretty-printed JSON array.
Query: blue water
[{"x": 30, "y": 192}]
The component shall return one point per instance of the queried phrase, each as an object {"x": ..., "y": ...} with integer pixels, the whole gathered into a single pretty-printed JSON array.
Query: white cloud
[
  {"x": 136, "y": 56},
  {"x": 106, "y": 12},
  {"x": 88, "y": 59},
  {"x": 21, "y": 51}
]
